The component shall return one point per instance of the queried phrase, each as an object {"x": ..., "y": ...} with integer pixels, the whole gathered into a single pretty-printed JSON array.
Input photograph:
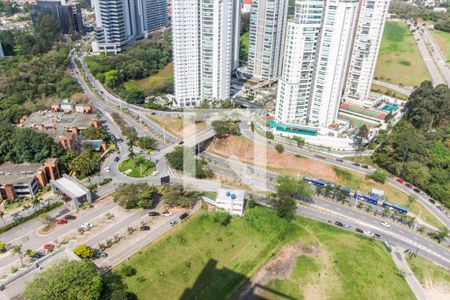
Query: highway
[{"x": 437, "y": 54}]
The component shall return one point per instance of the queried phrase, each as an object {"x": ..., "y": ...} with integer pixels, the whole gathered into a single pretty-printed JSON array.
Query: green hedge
[{"x": 29, "y": 217}]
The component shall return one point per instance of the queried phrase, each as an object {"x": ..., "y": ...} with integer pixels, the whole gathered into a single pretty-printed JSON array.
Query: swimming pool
[{"x": 390, "y": 107}]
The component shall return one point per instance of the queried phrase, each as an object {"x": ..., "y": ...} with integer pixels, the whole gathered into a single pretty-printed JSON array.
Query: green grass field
[
  {"x": 139, "y": 166},
  {"x": 152, "y": 84},
  {"x": 428, "y": 272},
  {"x": 244, "y": 45},
  {"x": 399, "y": 60},
  {"x": 443, "y": 40},
  {"x": 209, "y": 261}
]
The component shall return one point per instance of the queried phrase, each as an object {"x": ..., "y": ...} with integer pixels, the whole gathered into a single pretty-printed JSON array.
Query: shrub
[
  {"x": 84, "y": 251},
  {"x": 279, "y": 148},
  {"x": 221, "y": 217},
  {"x": 127, "y": 271},
  {"x": 379, "y": 176}
]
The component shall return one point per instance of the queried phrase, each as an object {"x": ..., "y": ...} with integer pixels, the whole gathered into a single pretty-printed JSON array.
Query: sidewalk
[{"x": 402, "y": 265}]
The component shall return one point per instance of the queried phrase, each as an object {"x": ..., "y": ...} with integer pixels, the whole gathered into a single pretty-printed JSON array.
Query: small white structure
[
  {"x": 377, "y": 193},
  {"x": 232, "y": 201}
]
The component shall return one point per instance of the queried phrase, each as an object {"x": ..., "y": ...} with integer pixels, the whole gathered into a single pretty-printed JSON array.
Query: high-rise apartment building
[
  {"x": 205, "y": 49},
  {"x": 333, "y": 57},
  {"x": 119, "y": 23},
  {"x": 67, "y": 15},
  {"x": 156, "y": 15},
  {"x": 369, "y": 32},
  {"x": 122, "y": 22},
  {"x": 266, "y": 38},
  {"x": 331, "y": 48}
]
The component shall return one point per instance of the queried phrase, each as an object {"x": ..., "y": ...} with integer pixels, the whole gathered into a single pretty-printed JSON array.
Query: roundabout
[{"x": 137, "y": 167}]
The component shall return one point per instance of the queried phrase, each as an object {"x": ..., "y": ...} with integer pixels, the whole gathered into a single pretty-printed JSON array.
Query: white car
[
  {"x": 385, "y": 224},
  {"x": 368, "y": 233},
  {"x": 107, "y": 169},
  {"x": 155, "y": 173},
  {"x": 86, "y": 226},
  {"x": 166, "y": 214}
]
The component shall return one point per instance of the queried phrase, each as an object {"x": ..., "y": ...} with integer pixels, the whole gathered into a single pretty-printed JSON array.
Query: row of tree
[{"x": 418, "y": 149}]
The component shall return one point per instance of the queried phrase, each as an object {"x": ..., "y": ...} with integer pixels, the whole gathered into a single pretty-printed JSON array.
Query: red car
[
  {"x": 399, "y": 180},
  {"x": 61, "y": 221},
  {"x": 49, "y": 246}
]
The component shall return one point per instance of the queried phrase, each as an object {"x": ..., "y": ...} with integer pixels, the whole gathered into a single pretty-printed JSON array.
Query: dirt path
[{"x": 278, "y": 268}]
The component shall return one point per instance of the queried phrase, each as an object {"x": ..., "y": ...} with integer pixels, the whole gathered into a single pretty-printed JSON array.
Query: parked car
[
  {"x": 107, "y": 170},
  {"x": 69, "y": 217},
  {"x": 365, "y": 166},
  {"x": 144, "y": 228},
  {"x": 416, "y": 190},
  {"x": 337, "y": 223},
  {"x": 368, "y": 233},
  {"x": 117, "y": 158},
  {"x": 153, "y": 214},
  {"x": 399, "y": 180},
  {"x": 377, "y": 235},
  {"x": 408, "y": 185},
  {"x": 385, "y": 224},
  {"x": 440, "y": 207},
  {"x": 49, "y": 246},
  {"x": 166, "y": 214},
  {"x": 180, "y": 142},
  {"x": 184, "y": 216},
  {"x": 173, "y": 222},
  {"x": 359, "y": 230},
  {"x": 339, "y": 160},
  {"x": 101, "y": 254},
  {"x": 349, "y": 227},
  {"x": 356, "y": 164},
  {"x": 154, "y": 173},
  {"x": 61, "y": 221},
  {"x": 87, "y": 226}
]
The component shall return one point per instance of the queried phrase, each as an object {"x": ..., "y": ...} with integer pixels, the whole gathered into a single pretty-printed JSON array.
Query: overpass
[{"x": 197, "y": 140}]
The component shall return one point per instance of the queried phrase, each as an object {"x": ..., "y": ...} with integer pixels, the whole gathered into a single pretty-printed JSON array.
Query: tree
[
  {"x": 147, "y": 143},
  {"x": 183, "y": 159},
  {"x": 440, "y": 234},
  {"x": 65, "y": 280},
  {"x": 287, "y": 190},
  {"x": 2, "y": 247},
  {"x": 127, "y": 271},
  {"x": 84, "y": 251},
  {"x": 136, "y": 195},
  {"x": 300, "y": 141},
  {"x": 86, "y": 163},
  {"x": 94, "y": 133},
  {"x": 379, "y": 176},
  {"x": 111, "y": 78},
  {"x": 360, "y": 138},
  {"x": 221, "y": 217},
  {"x": 224, "y": 128},
  {"x": 135, "y": 97},
  {"x": 17, "y": 249},
  {"x": 270, "y": 135},
  {"x": 279, "y": 148},
  {"x": 175, "y": 195},
  {"x": 131, "y": 153},
  {"x": 130, "y": 133}
]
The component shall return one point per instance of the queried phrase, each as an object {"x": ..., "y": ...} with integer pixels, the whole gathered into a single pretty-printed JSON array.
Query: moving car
[
  {"x": 154, "y": 173},
  {"x": 359, "y": 230},
  {"x": 69, "y": 217},
  {"x": 377, "y": 236},
  {"x": 339, "y": 160},
  {"x": 153, "y": 214},
  {"x": 365, "y": 166},
  {"x": 399, "y": 180},
  {"x": 356, "y": 164},
  {"x": 117, "y": 158},
  {"x": 107, "y": 170},
  {"x": 385, "y": 224},
  {"x": 184, "y": 216},
  {"x": 61, "y": 221},
  {"x": 166, "y": 214},
  {"x": 173, "y": 222}
]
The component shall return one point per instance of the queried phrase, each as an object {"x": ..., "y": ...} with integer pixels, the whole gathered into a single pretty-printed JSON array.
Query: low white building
[{"x": 232, "y": 201}]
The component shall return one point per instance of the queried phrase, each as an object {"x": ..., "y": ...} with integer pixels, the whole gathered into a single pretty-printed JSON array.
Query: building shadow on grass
[{"x": 205, "y": 286}]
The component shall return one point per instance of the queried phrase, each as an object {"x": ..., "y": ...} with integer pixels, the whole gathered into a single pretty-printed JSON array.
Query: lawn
[
  {"x": 137, "y": 167},
  {"x": 385, "y": 91},
  {"x": 286, "y": 163},
  {"x": 399, "y": 60},
  {"x": 201, "y": 259},
  {"x": 431, "y": 276},
  {"x": 244, "y": 45},
  {"x": 154, "y": 84},
  {"x": 180, "y": 127},
  {"x": 443, "y": 40}
]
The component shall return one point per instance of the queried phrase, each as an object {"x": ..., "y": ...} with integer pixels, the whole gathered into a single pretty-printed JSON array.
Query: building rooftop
[
  {"x": 231, "y": 195},
  {"x": 57, "y": 124},
  {"x": 22, "y": 173}
]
